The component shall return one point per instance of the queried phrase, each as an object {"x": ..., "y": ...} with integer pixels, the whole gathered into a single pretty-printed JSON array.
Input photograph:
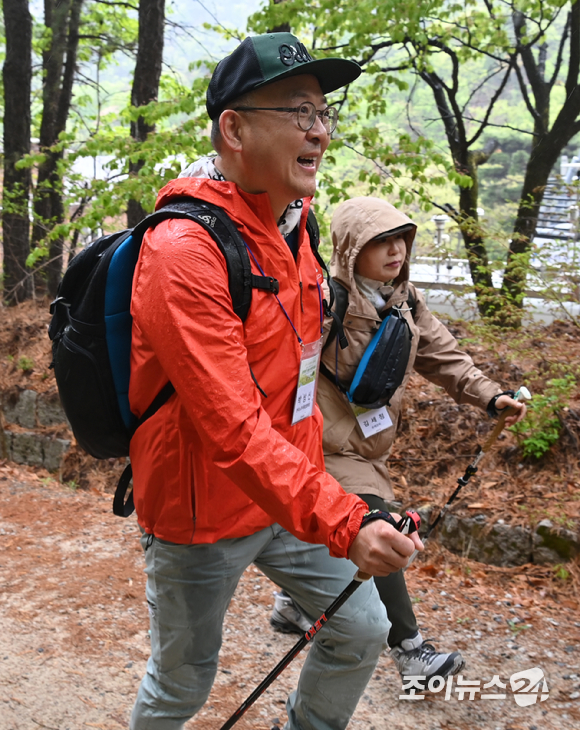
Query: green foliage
[
  {"x": 390, "y": 142},
  {"x": 516, "y": 627},
  {"x": 25, "y": 364},
  {"x": 561, "y": 572},
  {"x": 466, "y": 48},
  {"x": 542, "y": 426}
]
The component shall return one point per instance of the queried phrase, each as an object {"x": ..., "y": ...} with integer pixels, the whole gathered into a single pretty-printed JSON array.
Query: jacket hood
[{"x": 358, "y": 220}]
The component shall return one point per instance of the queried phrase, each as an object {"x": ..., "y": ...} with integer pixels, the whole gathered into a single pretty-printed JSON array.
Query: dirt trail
[{"x": 74, "y": 642}]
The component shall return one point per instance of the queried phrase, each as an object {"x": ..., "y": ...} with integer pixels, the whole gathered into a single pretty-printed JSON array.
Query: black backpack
[
  {"x": 339, "y": 305},
  {"x": 91, "y": 324}
]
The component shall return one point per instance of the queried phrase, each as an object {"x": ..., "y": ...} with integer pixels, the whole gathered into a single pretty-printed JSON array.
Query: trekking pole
[
  {"x": 408, "y": 524},
  {"x": 522, "y": 395}
]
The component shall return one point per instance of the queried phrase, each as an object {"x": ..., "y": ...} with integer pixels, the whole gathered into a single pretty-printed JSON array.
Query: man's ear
[{"x": 230, "y": 129}]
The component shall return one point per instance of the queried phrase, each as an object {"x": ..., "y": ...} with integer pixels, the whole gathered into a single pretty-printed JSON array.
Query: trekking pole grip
[
  {"x": 521, "y": 396},
  {"x": 361, "y": 576}
]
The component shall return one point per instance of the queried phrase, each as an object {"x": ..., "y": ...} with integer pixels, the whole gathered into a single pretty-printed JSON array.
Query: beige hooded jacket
[{"x": 359, "y": 464}]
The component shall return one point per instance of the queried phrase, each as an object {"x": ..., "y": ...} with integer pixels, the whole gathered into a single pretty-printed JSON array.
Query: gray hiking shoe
[
  {"x": 286, "y": 616},
  {"x": 415, "y": 657}
]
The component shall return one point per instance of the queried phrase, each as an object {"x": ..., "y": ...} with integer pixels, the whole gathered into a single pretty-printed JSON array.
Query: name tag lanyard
[{"x": 309, "y": 360}]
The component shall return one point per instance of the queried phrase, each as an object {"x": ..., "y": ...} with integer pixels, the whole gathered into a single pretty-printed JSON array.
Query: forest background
[{"x": 464, "y": 108}]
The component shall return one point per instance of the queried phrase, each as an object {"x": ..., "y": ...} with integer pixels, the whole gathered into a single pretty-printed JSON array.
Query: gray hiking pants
[{"x": 189, "y": 588}]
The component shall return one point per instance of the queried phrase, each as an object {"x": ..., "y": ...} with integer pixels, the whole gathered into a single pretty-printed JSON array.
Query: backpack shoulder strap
[
  {"x": 412, "y": 302},
  {"x": 218, "y": 224},
  {"x": 313, "y": 231},
  {"x": 240, "y": 281},
  {"x": 228, "y": 239},
  {"x": 338, "y": 312}
]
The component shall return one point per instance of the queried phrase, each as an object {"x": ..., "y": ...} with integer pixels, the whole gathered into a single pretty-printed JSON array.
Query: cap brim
[{"x": 332, "y": 73}]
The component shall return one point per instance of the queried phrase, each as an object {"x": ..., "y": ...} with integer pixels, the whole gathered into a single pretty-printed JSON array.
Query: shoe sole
[{"x": 285, "y": 627}]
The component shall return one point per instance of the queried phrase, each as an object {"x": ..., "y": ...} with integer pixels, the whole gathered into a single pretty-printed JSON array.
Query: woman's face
[{"x": 382, "y": 258}]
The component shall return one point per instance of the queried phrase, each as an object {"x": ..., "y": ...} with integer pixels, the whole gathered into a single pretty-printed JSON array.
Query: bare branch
[
  {"x": 388, "y": 69},
  {"x": 489, "y": 7},
  {"x": 533, "y": 71},
  {"x": 494, "y": 98},
  {"x": 381, "y": 169},
  {"x": 502, "y": 126},
  {"x": 187, "y": 31},
  {"x": 453, "y": 123},
  {"x": 375, "y": 48},
  {"x": 561, "y": 52},
  {"x": 574, "y": 61},
  {"x": 454, "y": 63},
  {"x": 479, "y": 49},
  {"x": 408, "y": 105},
  {"x": 117, "y": 4},
  {"x": 479, "y": 86},
  {"x": 534, "y": 113},
  {"x": 216, "y": 20}
]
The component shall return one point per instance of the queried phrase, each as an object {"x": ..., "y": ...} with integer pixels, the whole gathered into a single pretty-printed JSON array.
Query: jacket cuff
[
  {"x": 492, "y": 411},
  {"x": 355, "y": 523}
]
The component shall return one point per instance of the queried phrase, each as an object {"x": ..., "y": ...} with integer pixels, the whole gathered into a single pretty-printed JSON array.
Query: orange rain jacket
[{"x": 219, "y": 460}]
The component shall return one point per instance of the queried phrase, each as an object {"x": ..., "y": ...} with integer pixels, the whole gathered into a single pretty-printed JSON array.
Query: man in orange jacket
[{"x": 230, "y": 470}]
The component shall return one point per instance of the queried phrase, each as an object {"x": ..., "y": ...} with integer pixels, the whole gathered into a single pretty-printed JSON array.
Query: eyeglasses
[{"x": 306, "y": 114}]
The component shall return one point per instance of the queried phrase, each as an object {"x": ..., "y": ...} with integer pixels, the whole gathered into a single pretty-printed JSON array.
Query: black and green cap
[{"x": 263, "y": 59}]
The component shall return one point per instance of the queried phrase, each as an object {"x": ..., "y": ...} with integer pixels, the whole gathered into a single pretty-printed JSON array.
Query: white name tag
[
  {"x": 307, "y": 381},
  {"x": 373, "y": 420}
]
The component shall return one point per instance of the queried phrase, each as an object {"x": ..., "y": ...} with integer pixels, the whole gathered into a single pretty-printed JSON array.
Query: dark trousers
[{"x": 393, "y": 592}]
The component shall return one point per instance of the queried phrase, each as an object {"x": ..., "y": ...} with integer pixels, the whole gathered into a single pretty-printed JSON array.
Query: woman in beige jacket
[{"x": 372, "y": 244}]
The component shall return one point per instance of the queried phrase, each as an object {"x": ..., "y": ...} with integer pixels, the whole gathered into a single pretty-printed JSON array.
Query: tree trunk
[
  {"x": 17, "y": 74},
  {"x": 542, "y": 160},
  {"x": 473, "y": 234},
  {"x": 282, "y": 27},
  {"x": 146, "y": 83},
  {"x": 466, "y": 162},
  {"x": 547, "y": 147},
  {"x": 59, "y": 64}
]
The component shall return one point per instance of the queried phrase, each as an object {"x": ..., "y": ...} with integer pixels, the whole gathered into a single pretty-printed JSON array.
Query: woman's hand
[{"x": 504, "y": 401}]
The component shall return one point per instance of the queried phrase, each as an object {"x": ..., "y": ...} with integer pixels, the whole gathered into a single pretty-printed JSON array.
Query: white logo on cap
[{"x": 289, "y": 55}]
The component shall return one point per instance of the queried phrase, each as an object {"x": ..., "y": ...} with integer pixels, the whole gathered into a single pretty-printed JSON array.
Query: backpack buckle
[{"x": 266, "y": 283}]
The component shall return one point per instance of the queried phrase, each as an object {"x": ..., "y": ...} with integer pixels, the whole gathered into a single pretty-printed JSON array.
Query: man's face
[{"x": 277, "y": 156}]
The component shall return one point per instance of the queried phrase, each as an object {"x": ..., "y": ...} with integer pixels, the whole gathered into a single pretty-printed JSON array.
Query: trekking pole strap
[{"x": 122, "y": 507}]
